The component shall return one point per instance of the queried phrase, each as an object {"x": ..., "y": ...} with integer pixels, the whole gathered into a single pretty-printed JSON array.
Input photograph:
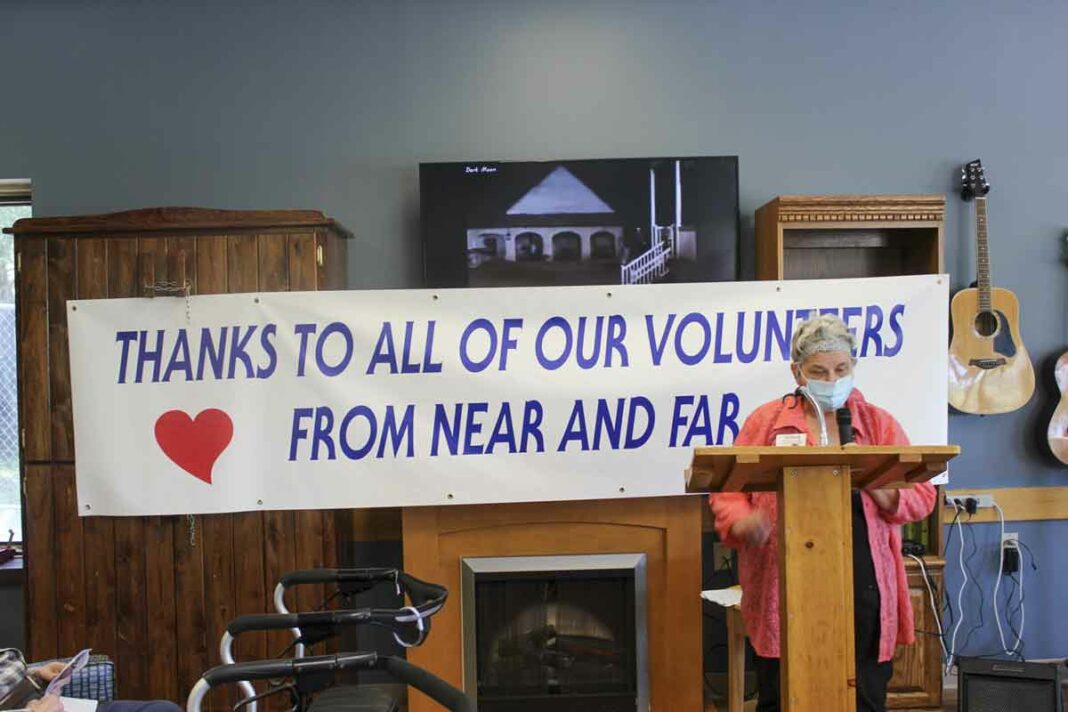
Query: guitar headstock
[{"x": 973, "y": 181}]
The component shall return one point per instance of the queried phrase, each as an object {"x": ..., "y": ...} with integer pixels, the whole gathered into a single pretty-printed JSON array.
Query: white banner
[{"x": 317, "y": 400}]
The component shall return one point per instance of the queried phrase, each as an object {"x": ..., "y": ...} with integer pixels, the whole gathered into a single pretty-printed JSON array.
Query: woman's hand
[
  {"x": 887, "y": 499},
  {"x": 45, "y": 673},
  {"x": 754, "y": 528},
  {"x": 48, "y": 703}
]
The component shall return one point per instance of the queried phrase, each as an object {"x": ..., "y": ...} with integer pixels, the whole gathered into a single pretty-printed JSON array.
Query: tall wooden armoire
[
  {"x": 825, "y": 236},
  {"x": 153, "y": 593}
]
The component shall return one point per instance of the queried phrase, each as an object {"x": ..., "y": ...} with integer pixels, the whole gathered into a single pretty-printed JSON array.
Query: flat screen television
[{"x": 597, "y": 221}]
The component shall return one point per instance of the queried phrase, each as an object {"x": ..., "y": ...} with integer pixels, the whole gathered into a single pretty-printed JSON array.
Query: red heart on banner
[{"x": 194, "y": 444}]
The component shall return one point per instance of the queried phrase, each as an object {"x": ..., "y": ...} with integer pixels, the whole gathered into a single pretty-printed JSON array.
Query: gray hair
[{"x": 821, "y": 333}]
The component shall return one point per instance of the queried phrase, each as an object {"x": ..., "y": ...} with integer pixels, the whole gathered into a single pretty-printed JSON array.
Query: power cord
[
  {"x": 1013, "y": 609},
  {"x": 947, "y": 609},
  {"x": 1002, "y": 546},
  {"x": 1012, "y": 612},
  {"x": 975, "y": 582},
  {"x": 951, "y": 655},
  {"x": 934, "y": 607}
]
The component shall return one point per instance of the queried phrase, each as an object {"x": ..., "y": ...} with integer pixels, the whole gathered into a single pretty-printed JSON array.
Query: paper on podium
[{"x": 726, "y": 597}]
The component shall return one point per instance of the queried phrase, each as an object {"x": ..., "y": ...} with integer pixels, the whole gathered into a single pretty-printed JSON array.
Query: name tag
[{"x": 790, "y": 439}]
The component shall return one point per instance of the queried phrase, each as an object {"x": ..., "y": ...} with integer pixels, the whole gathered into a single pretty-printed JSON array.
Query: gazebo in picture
[{"x": 561, "y": 231}]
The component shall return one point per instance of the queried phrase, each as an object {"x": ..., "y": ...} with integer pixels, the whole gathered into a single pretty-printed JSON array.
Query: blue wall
[
  {"x": 1045, "y": 632},
  {"x": 331, "y": 105}
]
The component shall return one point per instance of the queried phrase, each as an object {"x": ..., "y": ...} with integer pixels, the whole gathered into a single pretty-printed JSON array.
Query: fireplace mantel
[{"x": 666, "y": 529}]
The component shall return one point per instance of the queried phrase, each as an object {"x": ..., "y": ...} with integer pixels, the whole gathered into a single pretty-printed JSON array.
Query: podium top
[{"x": 756, "y": 469}]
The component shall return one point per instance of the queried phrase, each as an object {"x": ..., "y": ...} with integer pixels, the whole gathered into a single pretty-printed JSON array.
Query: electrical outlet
[
  {"x": 1010, "y": 553},
  {"x": 982, "y": 500}
]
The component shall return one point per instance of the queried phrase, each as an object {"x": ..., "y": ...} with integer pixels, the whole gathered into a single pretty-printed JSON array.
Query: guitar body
[
  {"x": 1057, "y": 433},
  {"x": 989, "y": 368}
]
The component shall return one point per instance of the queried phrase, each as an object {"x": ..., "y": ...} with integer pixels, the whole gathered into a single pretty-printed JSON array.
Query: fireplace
[
  {"x": 566, "y": 631},
  {"x": 635, "y": 562}
]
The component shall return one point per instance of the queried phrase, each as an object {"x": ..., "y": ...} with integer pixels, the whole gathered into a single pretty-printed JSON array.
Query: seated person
[{"x": 13, "y": 670}]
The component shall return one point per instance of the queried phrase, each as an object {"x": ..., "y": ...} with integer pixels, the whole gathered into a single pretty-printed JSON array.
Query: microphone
[{"x": 845, "y": 425}]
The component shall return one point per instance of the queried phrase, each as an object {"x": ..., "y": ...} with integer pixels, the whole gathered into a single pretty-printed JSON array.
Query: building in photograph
[{"x": 564, "y": 223}]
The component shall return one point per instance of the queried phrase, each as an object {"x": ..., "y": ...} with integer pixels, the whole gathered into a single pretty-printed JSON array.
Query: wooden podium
[{"x": 815, "y": 547}]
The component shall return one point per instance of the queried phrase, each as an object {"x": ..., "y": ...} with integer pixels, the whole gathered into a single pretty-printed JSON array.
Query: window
[{"x": 14, "y": 204}]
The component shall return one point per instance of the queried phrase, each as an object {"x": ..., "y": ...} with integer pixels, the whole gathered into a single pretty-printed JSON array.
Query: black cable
[
  {"x": 1034, "y": 562},
  {"x": 931, "y": 587},
  {"x": 288, "y": 648},
  {"x": 1010, "y": 613},
  {"x": 926, "y": 632},
  {"x": 982, "y": 599},
  {"x": 1023, "y": 597},
  {"x": 1008, "y": 598},
  {"x": 328, "y": 600},
  {"x": 1016, "y": 633},
  {"x": 947, "y": 621}
]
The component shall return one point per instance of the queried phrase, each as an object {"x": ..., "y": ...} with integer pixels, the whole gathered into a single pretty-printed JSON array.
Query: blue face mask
[{"x": 831, "y": 395}]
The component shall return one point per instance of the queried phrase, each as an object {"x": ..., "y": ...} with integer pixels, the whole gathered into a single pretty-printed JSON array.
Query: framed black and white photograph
[{"x": 598, "y": 221}]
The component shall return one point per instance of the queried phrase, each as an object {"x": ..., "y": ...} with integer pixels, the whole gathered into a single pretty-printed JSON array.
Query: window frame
[{"x": 17, "y": 191}]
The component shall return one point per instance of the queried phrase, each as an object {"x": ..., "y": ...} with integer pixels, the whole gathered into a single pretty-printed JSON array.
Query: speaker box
[{"x": 1007, "y": 686}]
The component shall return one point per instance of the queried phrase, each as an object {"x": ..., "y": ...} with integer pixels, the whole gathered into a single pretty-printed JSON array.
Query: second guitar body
[
  {"x": 990, "y": 369},
  {"x": 1057, "y": 433}
]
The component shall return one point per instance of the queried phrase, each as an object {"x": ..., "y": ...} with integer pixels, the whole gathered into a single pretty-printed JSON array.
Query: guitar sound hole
[{"x": 986, "y": 323}]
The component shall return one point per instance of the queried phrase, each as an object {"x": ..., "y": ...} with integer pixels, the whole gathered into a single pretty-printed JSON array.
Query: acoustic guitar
[
  {"x": 1057, "y": 432},
  {"x": 989, "y": 368}
]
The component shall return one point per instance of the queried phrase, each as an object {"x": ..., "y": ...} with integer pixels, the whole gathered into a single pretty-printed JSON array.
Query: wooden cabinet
[
  {"x": 917, "y": 680},
  {"x": 820, "y": 236},
  {"x": 839, "y": 236},
  {"x": 154, "y": 593}
]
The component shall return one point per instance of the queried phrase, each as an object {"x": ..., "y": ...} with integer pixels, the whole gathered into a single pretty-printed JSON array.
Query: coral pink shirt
[{"x": 758, "y": 566}]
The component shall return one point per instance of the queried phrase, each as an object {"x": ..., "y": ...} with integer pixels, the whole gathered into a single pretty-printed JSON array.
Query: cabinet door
[{"x": 917, "y": 680}]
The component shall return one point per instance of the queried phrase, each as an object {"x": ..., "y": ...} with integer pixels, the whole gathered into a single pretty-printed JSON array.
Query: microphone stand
[{"x": 825, "y": 439}]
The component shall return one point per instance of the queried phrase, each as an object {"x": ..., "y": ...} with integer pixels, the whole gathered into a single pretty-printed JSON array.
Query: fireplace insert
[{"x": 560, "y": 631}]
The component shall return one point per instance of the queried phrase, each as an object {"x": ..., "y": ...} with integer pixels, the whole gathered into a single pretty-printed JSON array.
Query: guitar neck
[{"x": 982, "y": 255}]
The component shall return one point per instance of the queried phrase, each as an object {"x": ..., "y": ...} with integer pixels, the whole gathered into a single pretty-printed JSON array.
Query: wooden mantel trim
[{"x": 860, "y": 208}]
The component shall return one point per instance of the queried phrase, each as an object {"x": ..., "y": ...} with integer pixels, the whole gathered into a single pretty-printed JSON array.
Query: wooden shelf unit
[{"x": 835, "y": 236}]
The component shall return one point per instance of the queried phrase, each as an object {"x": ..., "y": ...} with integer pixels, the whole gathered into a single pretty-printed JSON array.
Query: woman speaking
[{"x": 822, "y": 363}]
